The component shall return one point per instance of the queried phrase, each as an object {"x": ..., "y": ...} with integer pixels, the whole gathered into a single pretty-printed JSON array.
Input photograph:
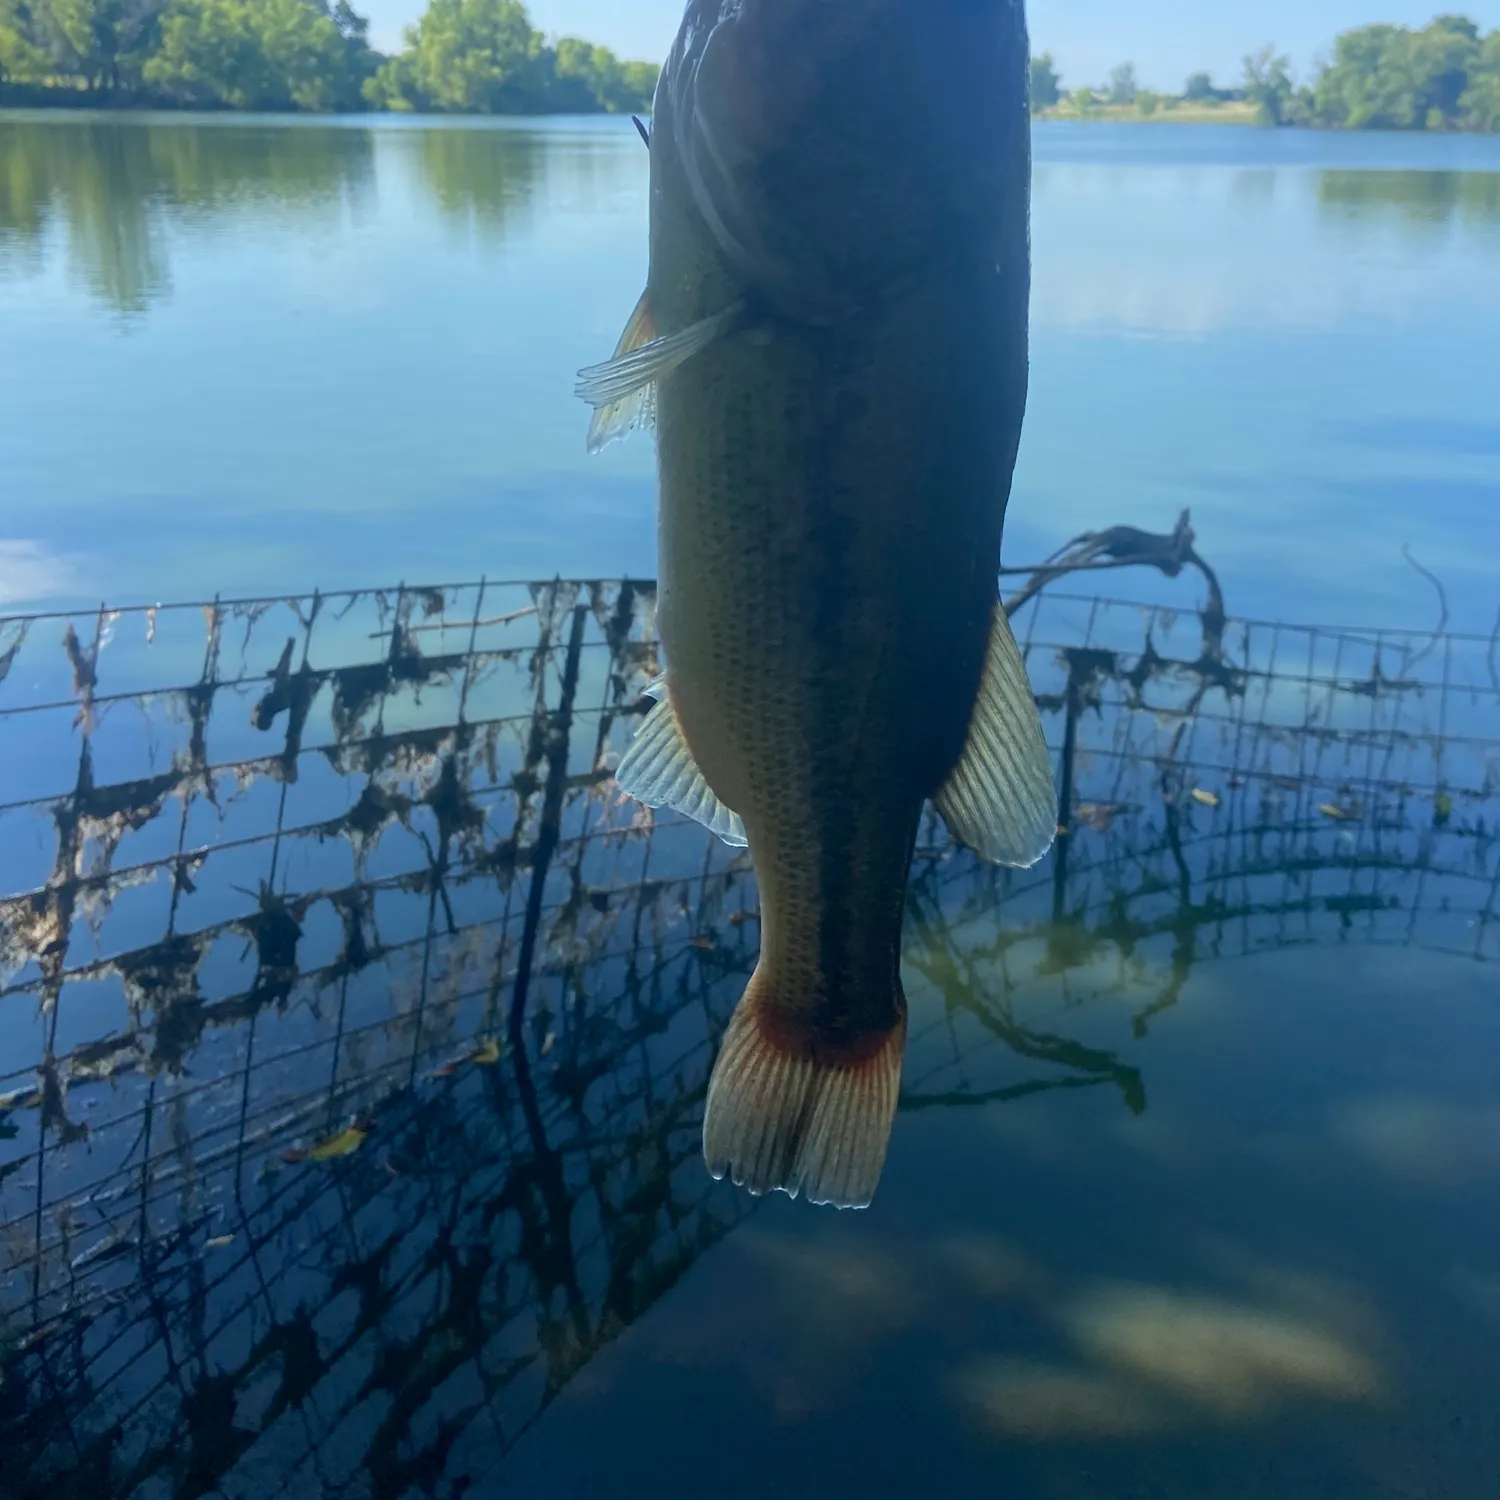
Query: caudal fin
[{"x": 784, "y": 1115}]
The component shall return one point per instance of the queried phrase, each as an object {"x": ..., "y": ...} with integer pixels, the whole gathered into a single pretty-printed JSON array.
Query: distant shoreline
[{"x": 1233, "y": 113}]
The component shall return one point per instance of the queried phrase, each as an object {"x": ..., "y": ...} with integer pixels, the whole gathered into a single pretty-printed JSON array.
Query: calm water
[
  {"x": 1194, "y": 1190},
  {"x": 245, "y": 358}
]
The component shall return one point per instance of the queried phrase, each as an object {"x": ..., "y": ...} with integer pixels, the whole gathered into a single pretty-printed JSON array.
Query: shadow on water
[{"x": 356, "y": 1033}]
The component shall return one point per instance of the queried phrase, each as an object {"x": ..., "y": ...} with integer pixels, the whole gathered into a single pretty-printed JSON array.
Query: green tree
[
  {"x": 485, "y": 57},
  {"x": 1147, "y": 103},
  {"x": 1354, "y": 89},
  {"x": 1200, "y": 89},
  {"x": 640, "y": 80},
  {"x": 1480, "y": 102},
  {"x": 1122, "y": 84},
  {"x": 95, "y": 45},
  {"x": 1444, "y": 55},
  {"x": 1046, "y": 82},
  {"x": 589, "y": 78},
  {"x": 259, "y": 55},
  {"x": 1393, "y": 78},
  {"x": 22, "y": 58},
  {"x": 1302, "y": 107},
  {"x": 393, "y": 85},
  {"x": 1082, "y": 101},
  {"x": 1268, "y": 84},
  {"x": 480, "y": 57}
]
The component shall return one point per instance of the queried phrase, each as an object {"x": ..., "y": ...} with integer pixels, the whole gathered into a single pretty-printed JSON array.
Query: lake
[
  {"x": 246, "y": 357},
  {"x": 354, "y": 1033}
]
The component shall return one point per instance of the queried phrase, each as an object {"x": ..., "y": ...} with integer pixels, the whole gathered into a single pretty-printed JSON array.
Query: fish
[{"x": 832, "y": 351}]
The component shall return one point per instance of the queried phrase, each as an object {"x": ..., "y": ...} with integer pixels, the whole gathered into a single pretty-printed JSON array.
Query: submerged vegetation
[
  {"x": 1444, "y": 77},
  {"x": 462, "y": 56}
]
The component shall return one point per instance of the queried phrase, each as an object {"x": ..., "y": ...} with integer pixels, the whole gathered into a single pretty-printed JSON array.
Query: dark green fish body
[{"x": 835, "y": 332}]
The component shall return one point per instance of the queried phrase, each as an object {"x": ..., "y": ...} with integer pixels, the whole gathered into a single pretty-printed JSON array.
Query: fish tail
[{"x": 789, "y": 1112}]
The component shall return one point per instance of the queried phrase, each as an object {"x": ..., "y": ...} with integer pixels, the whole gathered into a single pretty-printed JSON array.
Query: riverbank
[{"x": 1166, "y": 112}]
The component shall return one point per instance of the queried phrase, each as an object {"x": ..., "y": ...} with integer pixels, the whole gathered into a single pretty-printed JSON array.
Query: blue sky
[{"x": 1166, "y": 39}]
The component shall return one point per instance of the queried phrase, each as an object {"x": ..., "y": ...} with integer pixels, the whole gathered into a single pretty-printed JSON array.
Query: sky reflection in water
[{"x": 269, "y": 355}]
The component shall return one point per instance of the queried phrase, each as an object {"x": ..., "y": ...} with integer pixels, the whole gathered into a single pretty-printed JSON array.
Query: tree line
[
  {"x": 485, "y": 57},
  {"x": 462, "y": 56},
  {"x": 1445, "y": 76}
]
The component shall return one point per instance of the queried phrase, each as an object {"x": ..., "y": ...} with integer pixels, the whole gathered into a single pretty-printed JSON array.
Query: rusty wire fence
[{"x": 354, "y": 1032}]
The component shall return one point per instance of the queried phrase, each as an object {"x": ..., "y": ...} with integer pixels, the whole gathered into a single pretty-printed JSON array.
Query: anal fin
[
  {"x": 1000, "y": 799},
  {"x": 659, "y": 770},
  {"x": 784, "y": 1118}
]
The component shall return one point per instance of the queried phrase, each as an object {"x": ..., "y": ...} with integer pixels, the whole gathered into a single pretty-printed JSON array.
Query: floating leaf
[
  {"x": 1207, "y": 799},
  {"x": 1097, "y": 817},
  {"x": 487, "y": 1054},
  {"x": 1442, "y": 806},
  {"x": 332, "y": 1147},
  {"x": 1338, "y": 814},
  {"x": 219, "y": 1242},
  {"x": 345, "y": 1143},
  {"x": 549, "y": 1042}
]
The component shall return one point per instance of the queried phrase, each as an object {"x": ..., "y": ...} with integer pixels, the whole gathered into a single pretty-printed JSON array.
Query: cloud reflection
[
  {"x": 1196, "y": 251},
  {"x": 1234, "y": 1360},
  {"x": 1159, "y": 1359},
  {"x": 1425, "y": 1143},
  {"x": 29, "y": 574}
]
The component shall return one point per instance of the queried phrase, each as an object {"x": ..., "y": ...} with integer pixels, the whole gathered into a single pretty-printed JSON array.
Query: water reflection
[
  {"x": 114, "y": 190},
  {"x": 108, "y": 193},
  {"x": 1195, "y": 252},
  {"x": 1420, "y": 197},
  {"x": 356, "y": 1032},
  {"x": 484, "y": 178}
]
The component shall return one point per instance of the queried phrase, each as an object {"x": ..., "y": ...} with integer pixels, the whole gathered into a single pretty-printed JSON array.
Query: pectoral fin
[
  {"x": 632, "y": 374},
  {"x": 660, "y": 771},
  {"x": 1000, "y": 799},
  {"x": 637, "y": 408}
]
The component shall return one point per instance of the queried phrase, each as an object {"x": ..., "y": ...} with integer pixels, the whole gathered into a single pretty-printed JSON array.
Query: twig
[
  {"x": 1442, "y": 623},
  {"x": 514, "y": 615},
  {"x": 1125, "y": 547}
]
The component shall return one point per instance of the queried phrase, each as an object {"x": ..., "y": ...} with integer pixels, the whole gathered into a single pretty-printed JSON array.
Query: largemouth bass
[{"x": 832, "y": 346}]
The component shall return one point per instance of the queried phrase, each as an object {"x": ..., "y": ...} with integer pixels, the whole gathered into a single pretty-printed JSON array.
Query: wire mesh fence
[{"x": 354, "y": 1031}]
